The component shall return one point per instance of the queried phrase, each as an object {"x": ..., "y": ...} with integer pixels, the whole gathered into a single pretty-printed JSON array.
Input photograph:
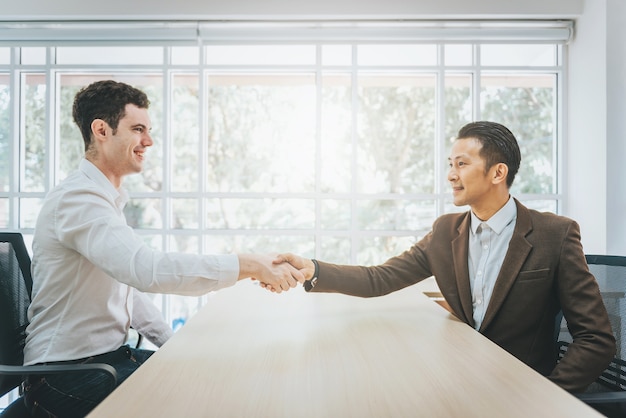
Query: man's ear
[
  {"x": 99, "y": 128},
  {"x": 500, "y": 172}
]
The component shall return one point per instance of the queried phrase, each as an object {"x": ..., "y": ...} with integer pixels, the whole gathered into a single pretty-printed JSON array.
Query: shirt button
[
  {"x": 485, "y": 247},
  {"x": 478, "y": 302}
]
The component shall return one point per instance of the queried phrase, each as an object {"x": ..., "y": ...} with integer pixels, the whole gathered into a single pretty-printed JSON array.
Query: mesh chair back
[
  {"x": 610, "y": 272},
  {"x": 15, "y": 291}
]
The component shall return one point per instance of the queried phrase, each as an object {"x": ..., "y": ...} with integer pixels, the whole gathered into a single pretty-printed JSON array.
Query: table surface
[{"x": 252, "y": 353}]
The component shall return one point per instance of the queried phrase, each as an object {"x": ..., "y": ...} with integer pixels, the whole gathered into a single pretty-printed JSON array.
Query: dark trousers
[{"x": 75, "y": 394}]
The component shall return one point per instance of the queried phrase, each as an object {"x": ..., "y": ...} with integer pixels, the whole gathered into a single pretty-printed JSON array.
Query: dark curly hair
[
  {"x": 104, "y": 100},
  {"x": 498, "y": 145}
]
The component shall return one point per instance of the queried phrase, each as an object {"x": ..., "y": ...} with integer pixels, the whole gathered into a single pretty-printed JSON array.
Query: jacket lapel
[
  {"x": 515, "y": 257},
  {"x": 461, "y": 270}
]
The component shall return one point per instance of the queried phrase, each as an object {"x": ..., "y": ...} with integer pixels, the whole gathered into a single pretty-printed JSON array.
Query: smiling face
[
  {"x": 121, "y": 152},
  {"x": 484, "y": 190}
]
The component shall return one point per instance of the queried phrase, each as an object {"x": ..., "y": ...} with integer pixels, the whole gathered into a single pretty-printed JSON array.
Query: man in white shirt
[{"x": 90, "y": 269}]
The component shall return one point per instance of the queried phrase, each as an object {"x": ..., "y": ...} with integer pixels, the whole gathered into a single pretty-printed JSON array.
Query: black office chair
[
  {"x": 608, "y": 393},
  {"x": 15, "y": 294}
]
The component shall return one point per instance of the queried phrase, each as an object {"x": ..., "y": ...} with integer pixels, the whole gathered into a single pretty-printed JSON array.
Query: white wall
[
  {"x": 585, "y": 136},
  {"x": 594, "y": 131},
  {"x": 616, "y": 127}
]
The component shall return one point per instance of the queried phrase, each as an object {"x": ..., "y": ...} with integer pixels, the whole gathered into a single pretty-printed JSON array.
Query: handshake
[{"x": 279, "y": 273}]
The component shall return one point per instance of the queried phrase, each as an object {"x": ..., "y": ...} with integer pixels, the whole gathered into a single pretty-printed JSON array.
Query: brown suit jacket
[{"x": 544, "y": 271}]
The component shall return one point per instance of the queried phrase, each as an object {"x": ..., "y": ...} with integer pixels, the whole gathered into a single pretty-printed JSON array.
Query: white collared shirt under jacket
[
  {"x": 488, "y": 244},
  {"x": 90, "y": 269}
]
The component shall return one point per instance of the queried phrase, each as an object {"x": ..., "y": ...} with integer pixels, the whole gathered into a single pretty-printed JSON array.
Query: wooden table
[{"x": 251, "y": 353}]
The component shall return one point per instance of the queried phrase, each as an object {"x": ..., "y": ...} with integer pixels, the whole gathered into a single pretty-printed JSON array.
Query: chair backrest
[
  {"x": 15, "y": 292},
  {"x": 610, "y": 273}
]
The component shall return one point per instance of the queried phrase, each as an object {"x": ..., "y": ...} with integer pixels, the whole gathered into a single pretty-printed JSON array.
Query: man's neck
[
  {"x": 109, "y": 174},
  {"x": 484, "y": 212}
]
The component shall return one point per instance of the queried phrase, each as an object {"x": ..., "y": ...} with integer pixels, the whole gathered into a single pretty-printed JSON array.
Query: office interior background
[{"x": 321, "y": 127}]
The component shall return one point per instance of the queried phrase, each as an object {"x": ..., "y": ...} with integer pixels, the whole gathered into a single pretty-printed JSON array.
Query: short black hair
[
  {"x": 498, "y": 145},
  {"x": 106, "y": 100}
]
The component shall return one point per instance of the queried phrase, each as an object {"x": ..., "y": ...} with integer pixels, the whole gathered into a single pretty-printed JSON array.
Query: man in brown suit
[{"x": 504, "y": 269}]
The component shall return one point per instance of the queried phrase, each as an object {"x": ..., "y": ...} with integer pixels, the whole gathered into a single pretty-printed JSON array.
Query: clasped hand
[{"x": 300, "y": 269}]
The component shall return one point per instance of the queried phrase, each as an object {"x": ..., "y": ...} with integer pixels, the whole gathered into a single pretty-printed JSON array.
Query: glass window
[
  {"x": 185, "y": 55},
  {"x": 518, "y": 55},
  {"x": 396, "y": 133},
  {"x": 255, "y": 123},
  {"x": 5, "y": 55},
  {"x": 260, "y": 55},
  {"x": 335, "y": 150},
  {"x": 336, "y": 54},
  {"x": 33, "y": 55},
  {"x": 526, "y": 105},
  {"x": 458, "y": 55},
  {"x": 5, "y": 133},
  {"x": 185, "y": 127},
  {"x": 397, "y": 55},
  {"x": 110, "y": 55},
  {"x": 33, "y": 123}
]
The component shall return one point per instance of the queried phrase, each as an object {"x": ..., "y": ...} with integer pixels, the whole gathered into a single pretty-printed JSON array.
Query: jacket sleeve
[
  {"x": 396, "y": 273},
  {"x": 593, "y": 345}
]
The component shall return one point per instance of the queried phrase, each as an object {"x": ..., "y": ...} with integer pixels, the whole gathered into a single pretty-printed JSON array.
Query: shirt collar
[
  {"x": 119, "y": 196},
  {"x": 503, "y": 217}
]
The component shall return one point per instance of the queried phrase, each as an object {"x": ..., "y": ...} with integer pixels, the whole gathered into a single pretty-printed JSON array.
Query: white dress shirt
[
  {"x": 488, "y": 244},
  {"x": 90, "y": 269}
]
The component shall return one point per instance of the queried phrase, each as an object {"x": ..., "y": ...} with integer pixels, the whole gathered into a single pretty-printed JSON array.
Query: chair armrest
[
  {"x": 106, "y": 369},
  {"x": 601, "y": 397}
]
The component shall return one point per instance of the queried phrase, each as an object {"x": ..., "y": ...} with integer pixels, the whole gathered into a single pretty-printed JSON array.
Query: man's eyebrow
[{"x": 458, "y": 156}]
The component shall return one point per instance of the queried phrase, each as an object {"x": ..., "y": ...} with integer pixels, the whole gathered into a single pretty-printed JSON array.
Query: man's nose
[{"x": 452, "y": 174}]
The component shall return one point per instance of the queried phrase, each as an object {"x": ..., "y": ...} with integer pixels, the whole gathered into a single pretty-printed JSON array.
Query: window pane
[
  {"x": 518, "y": 55},
  {"x": 5, "y": 133},
  {"x": 456, "y": 55},
  {"x": 393, "y": 215},
  {"x": 185, "y": 55},
  {"x": 34, "y": 120},
  {"x": 377, "y": 250},
  {"x": 526, "y": 105},
  {"x": 397, "y": 55},
  {"x": 110, "y": 55},
  {"x": 29, "y": 209},
  {"x": 184, "y": 213},
  {"x": 255, "y": 124},
  {"x": 185, "y": 133},
  {"x": 260, "y": 54},
  {"x": 336, "y": 214},
  {"x": 70, "y": 139},
  {"x": 5, "y": 55},
  {"x": 144, "y": 213},
  {"x": 336, "y": 54},
  {"x": 260, "y": 213},
  {"x": 458, "y": 106},
  {"x": 33, "y": 55},
  {"x": 335, "y": 249},
  {"x": 259, "y": 244},
  {"x": 542, "y": 205},
  {"x": 396, "y": 134},
  {"x": 4, "y": 213},
  {"x": 336, "y": 133}
]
